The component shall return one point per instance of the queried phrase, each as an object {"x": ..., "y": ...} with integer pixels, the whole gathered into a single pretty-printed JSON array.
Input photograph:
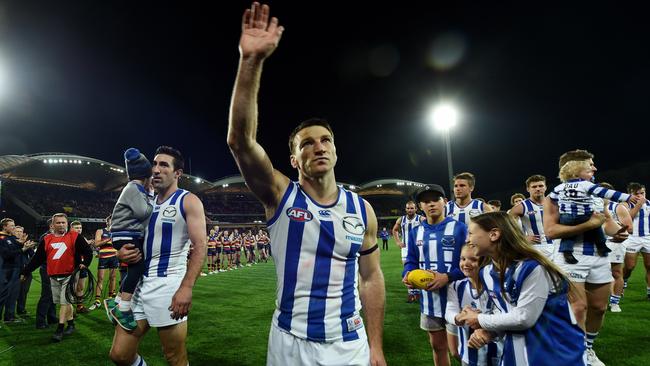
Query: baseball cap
[{"x": 429, "y": 188}]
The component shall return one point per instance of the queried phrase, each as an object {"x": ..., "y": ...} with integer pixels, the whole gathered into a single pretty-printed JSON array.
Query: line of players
[
  {"x": 633, "y": 219},
  {"x": 225, "y": 249}
]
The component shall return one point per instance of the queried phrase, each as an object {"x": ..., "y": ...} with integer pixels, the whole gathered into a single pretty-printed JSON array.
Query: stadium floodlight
[
  {"x": 444, "y": 117},
  {"x": 197, "y": 180}
]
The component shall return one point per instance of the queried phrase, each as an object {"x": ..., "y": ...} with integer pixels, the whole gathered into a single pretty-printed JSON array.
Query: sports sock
[
  {"x": 124, "y": 305},
  {"x": 614, "y": 299},
  {"x": 589, "y": 339}
]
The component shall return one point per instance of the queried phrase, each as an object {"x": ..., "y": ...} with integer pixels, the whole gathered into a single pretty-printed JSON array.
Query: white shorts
[
  {"x": 590, "y": 268},
  {"x": 405, "y": 252},
  {"x": 288, "y": 350},
  {"x": 546, "y": 249},
  {"x": 152, "y": 299},
  {"x": 617, "y": 254},
  {"x": 635, "y": 244}
]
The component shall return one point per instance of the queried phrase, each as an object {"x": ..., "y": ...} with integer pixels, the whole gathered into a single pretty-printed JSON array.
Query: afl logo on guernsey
[
  {"x": 353, "y": 225},
  {"x": 473, "y": 213},
  {"x": 299, "y": 214}
]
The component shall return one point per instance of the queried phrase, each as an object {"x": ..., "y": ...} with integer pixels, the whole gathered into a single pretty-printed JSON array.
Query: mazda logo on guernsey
[
  {"x": 299, "y": 214},
  {"x": 353, "y": 225},
  {"x": 169, "y": 212}
]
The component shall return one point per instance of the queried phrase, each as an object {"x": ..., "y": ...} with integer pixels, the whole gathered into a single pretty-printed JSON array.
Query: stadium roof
[
  {"x": 390, "y": 186},
  {"x": 76, "y": 171}
]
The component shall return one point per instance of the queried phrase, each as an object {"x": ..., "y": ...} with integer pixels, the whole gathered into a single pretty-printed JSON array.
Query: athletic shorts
[
  {"x": 108, "y": 263},
  {"x": 219, "y": 250},
  {"x": 617, "y": 254},
  {"x": 59, "y": 285},
  {"x": 405, "y": 252},
  {"x": 287, "y": 350},
  {"x": 152, "y": 299},
  {"x": 635, "y": 244},
  {"x": 260, "y": 246},
  {"x": 590, "y": 268},
  {"x": 547, "y": 249},
  {"x": 212, "y": 251},
  {"x": 433, "y": 323}
]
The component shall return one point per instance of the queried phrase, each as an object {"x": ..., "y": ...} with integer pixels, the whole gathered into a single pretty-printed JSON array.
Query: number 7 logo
[{"x": 60, "y": 249}]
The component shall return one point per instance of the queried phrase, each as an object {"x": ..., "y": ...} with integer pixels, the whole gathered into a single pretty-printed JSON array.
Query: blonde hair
[
  {"x": 571, "y": 169},
  {"x": 513, "y": 246}
]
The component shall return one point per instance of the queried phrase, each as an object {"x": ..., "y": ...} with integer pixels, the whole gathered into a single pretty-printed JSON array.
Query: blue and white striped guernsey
[
  {"x": 554, "y": 339},
  {"x": 490, "y": 354},
  {"x": 167, "y": 240},
  {"x": 533, "y": 220},
  {"x": 406, "y": 225},
  {"x": 464, "y": 214},
  {"x": 315, "y": 249},
  {"x": 437, "y": 248},
  {"x": 641, "y": 224},
  {"x": 577, "y": 196}
]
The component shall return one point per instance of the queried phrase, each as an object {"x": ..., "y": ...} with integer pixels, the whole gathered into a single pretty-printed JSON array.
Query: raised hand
[{"x": 259, "y": 36}]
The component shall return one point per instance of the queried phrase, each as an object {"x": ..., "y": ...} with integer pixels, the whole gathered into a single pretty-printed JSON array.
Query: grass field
[{"x": 231, "y": 315}]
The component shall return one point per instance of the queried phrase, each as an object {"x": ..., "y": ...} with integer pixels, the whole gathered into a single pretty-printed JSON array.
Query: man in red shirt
[{"x": 63, "y": 251}]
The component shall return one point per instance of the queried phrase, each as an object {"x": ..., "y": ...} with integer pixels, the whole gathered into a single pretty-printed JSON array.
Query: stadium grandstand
[
  {"x": 33, "y": 187},
  {"x": 36, "y": 186},
  {"x": 387, "y": 197}
]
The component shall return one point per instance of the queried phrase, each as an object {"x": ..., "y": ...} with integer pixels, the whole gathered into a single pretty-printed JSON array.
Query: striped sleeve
[{"x": 603, "y": 192}]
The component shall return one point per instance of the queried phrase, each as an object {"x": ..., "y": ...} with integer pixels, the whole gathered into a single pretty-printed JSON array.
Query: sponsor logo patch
[{"x": 353, "y": 225}]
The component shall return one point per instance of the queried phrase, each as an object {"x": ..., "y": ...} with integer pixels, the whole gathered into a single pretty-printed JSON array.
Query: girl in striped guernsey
[
  {"x": 470, "y": 292},
  {"x": 530, "y": 295}
]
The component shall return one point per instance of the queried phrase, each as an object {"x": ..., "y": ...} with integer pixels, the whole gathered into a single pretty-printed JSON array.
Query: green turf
[{"x": 231, "y": 315}]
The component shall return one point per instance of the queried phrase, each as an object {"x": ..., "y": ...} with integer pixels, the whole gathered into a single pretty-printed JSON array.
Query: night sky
[{"x": 94, "y": 78}]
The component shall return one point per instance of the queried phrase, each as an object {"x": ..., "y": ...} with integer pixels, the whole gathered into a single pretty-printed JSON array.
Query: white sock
[
  {"x": 124, "y": 305},
  {"x": 139, "y": 361},
  {"x": 118, "y": 299}
]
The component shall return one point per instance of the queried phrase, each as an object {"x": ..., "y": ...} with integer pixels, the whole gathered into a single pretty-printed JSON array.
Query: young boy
[
  {"x": 576, "y": 198},
  {"x": 131, "y": 211}
]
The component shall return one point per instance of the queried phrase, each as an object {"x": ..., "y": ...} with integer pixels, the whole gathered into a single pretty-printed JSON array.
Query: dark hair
[
  {"x": 575, "y": 155},
  {"x": 632, "y": 187},
  {"x": 178, "y": 161},
  {"x": 516, "y": 195},
  {"x": 606, "y": 185},
  {"x": 535, "y": 178},
  {"x": 469, "y": 177},
  {"x": 495, "y": 203},
  {"x": 308, "y": 123}
]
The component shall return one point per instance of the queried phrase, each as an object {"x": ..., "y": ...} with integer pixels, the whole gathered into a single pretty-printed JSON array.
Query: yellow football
[{"x": 420, "y": 278}]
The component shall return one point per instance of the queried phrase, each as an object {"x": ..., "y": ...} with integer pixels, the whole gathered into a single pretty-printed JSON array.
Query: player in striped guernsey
[
  {"x": 470, "y": 292},
  {"x": 531, "y": 295},
  {"x": 531, "y": 213},
  {"x": 324, "y": 238},
  {"x": 621, "y": 215},
  {"x": 592, "y": 273},
  {"x": 164, "y": 295},
  {"x": 577, "y": 198},
  {"x": 435, "y": 246},
  {"x": 401, "y": 230},
  {"x": 463, "y": 207},
  {"x": 639, "y": 241}
]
